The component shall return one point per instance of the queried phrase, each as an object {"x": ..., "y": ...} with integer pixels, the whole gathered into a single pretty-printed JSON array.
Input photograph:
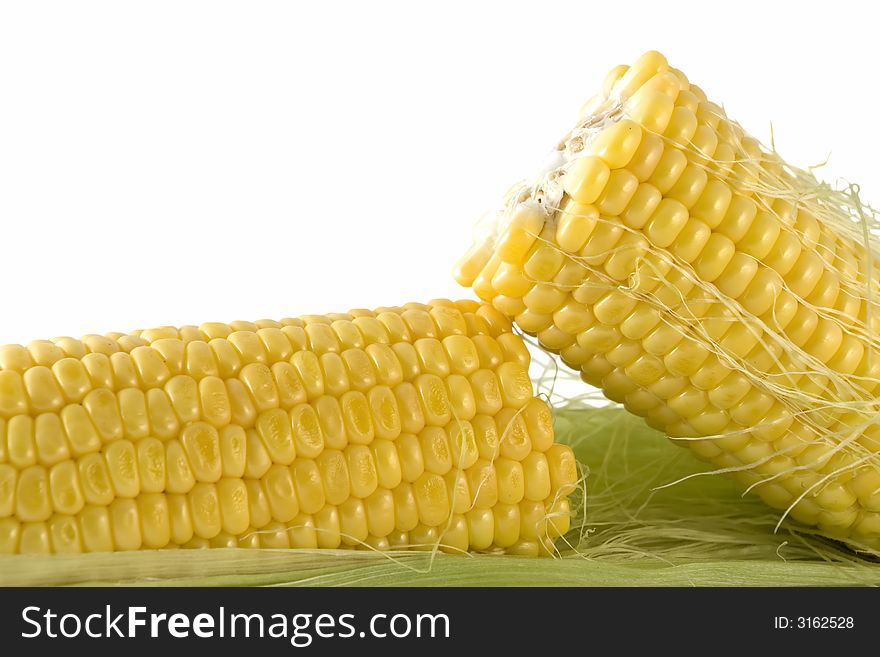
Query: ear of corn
[
  {"x": 699, "y": 280},
  {"x": 410, "y": 426}
]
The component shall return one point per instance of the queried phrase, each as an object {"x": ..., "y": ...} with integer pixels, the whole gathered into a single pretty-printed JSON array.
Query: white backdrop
[{"x": 180, "y": 162}]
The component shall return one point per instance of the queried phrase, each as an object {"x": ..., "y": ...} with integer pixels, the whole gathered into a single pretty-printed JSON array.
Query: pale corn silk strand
[{"x": 794, "y": 336}]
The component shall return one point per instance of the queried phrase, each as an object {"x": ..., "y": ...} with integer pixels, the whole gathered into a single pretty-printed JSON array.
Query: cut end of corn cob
[
  {"x": 413, "y": 426},
  {"x": 696, "y": 278}
]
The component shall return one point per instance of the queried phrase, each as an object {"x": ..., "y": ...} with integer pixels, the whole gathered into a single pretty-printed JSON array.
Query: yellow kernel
[
  {"x": 639, "y": 322},
  {"x": 274, "y": 428},
  {"x": 583, "y": 181},
  {"x": 372, "y": 330},
  {"x": 643, "y": 69},
  {"x": 94, "y": 476},
  {"x": 200, "y": 360},
  {"x": 614, "y": 307},
  {"x": 133, "y": 412},
  {"x": 641, "y": 206},
  {"x": 64, "y": 535},
  {"x": 481, "y": 528},
  {"x": 308, "y": 367},
  {"x": 737, "y": 275},
  {"x": 151, "y": 465},
  {"x": 386, "y": 363},
  {"x": 651, "y": 108},
  {"x": 714, "y": 258},
  {"x": 558, "y": 518},
  {"x": 511, "y": 481},
  {"x": 432, "y": 499},
  {"x": 280, "y": 493},
  {"x": 379, "y": 509},
  {"x": 616, "y": 145},
  {"x": 448, "y": 318},
  {"x": 99, "y": 369},
  {"x": 124, "y": 375},
  {"x": 163, "y": 421},
  {"x": 214, "y": 401},
  {"x": 359, "y": 369},
  {"x": 73, "y": 378},
  {"x": 202, "y": 445},
  {"x": 454, "y": 538},
  {"x": 150, "y": 367},
  {"x": 10, "y": 535},
  {"x": 384, "y": 412},
  {"x": 353, "y": 522},
  {"x": 507, "y": 524},
  {"x": 15, "y": 357},
  {"x": 397, "y": 329},
  {"x": 406, "y": 513},
  {"x": 34, "y": 538},
  {"x": 241, "y": 404},
  {"x": 575, "y": 224},
  {"x": 180, "y": 475},
  {"x": 691, "y": 241},
  {"x": 689, "y": 186},
  {"x": 183, "y": 392},
  {"x": 42, "y": 389},
  {"x": 64, "y": 486},
  {"x": 516, "y": 386},
  {"x": 713, "y": 203},
  {"x": 667, "y": 222},
  {"x": 434, "y": 400},
  {"x": 533, "y": 519},
  {"x": 362, "y": 470},
  {"x": 49, "y": 439},
  {"x": 248, "y": 345},
  {"x": 204, "y": 505},
  {"x": 703, "y": 144},
  {"x": 327, "y": 527},
  {"x": 291, "y": 390},
  {"x": 155, "y": 520},
  {"x": 462, "y": 444},
  {"x": 259, "y": 382},
  {"x": 308, "y": 484},
  {"x": 125, "y": 525},
  {"x": 123, "y": 469},
  {"x": 681, "y": 126},
  {"x": 668, "y": 170},
  {"x": 12, "y": 395},
  {"x": 410, "y": 456},
  {"x": 563, "y": 469},
  {"x": 619, "y": 191},
  {"x": 435, "y": 449}
]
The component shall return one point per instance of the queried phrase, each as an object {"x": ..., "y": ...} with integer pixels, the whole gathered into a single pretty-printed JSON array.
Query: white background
[{"x": 180, "y": 162}]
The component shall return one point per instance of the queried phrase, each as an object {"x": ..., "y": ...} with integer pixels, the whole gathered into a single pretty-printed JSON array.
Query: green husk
[{"x": 699, "y": 531}]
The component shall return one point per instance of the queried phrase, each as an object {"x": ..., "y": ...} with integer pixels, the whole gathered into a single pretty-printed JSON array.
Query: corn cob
[
  {"x": 709, "y": 287},
  {"x": 405, "y": 427}
]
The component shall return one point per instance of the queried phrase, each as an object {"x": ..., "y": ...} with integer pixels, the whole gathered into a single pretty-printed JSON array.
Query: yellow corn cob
[
  {"x": 402, "y": 427},
  {"x": 721, "y": 294}
]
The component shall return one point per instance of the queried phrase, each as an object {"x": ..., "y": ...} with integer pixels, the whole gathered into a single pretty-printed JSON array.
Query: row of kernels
[
  {"x": 369, "y": 524},
  {"x": 152, "y": 520},
  {"x": 133, "y": 414},
  {"x": 123, "y": 469},
  {"x": 429, "y": 499},
  {"x": 359, "y": 470},
  {"x": 48, "y": 352},
  {"x": 244, "y": 343}
]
